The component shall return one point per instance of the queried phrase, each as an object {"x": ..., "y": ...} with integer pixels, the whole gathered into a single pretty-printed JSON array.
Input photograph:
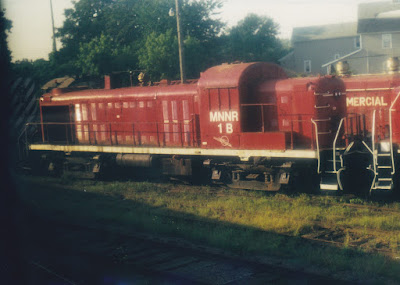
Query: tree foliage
[
  {"x": 98, "y": 36},
  {"x": 39, "y": 70},
  {"x": 158, "y": 55},
  {"x": 101, "y": 36},
  {"x": 96, "y": 57},
  {"x": 255, "y": 39},
  {"x": 5, "y": 54}
]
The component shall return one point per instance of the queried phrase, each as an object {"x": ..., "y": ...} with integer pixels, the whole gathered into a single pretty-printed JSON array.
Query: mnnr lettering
[{"x": 224, "y": 116}]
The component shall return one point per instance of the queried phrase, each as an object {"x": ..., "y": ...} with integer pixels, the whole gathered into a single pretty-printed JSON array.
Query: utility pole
[
  {"x": 52, "y": 23},
  {"x": 180, "y": 43}
]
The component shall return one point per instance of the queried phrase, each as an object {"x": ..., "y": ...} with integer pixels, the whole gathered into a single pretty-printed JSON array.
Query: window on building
[
  {"x": 357, "y": 42},
  {"x": 307, "y": 66},
  {"x": 337, "y": 56},
  {"x": 387, "y": 41}
]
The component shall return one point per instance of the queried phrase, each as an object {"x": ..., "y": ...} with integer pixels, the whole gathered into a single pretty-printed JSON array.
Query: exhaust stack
[
  {"x": 392, "y": 64},
  {"x": 342, "y": 68}
]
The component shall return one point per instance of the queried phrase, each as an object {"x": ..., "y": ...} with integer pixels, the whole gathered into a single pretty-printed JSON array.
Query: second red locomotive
[{"x": 372, "y": 124}]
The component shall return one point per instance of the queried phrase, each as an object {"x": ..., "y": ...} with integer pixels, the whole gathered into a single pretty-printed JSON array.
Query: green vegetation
[
  {"x": 5, "y": 27},
  {"x": 360, "y": 242},
  {"x": 100, "y": 37}
]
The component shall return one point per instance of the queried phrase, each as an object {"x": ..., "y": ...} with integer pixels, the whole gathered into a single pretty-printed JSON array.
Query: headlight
[{"x": 385, "y": 146}]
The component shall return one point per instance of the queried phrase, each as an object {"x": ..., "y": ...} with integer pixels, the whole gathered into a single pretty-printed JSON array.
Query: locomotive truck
[{"x": 246, "y": 125}]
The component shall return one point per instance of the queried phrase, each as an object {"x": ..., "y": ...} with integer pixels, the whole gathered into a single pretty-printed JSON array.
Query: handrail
[
  {"x": 373, "y": 141},
  {"x": 322, "y": 106},
  {"x": 87, "y": 134},
  {"x": 107, "y": 122},
  {"x": 334, "y": 144},
  {"x": 317, "y": 142},
  {"x": 391, "y": 131},
  {"x": 367, "y": 147}
]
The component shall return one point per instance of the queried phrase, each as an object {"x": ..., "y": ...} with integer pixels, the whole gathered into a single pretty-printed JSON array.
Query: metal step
[
  {"x": 383, "y": 154},
  {"x": 331, "y": 160},
  {"x": 384, "y": 179},
  {"x": 385, "y": 166},
  {"x": 329, "y": 182},
  {"x": 382, "y": 187},
  {"x": 331, "y": 187},
  {"x": 324, "y": 133}
]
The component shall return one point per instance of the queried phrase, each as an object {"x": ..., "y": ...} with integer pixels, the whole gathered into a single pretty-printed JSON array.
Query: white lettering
[
  {"x": 235, "y": 116},
  {"x": 225, "y": 116},
  {"x": 228, "y": 116},
  {"x": 366, "y": 101},
  {"x": 229, "y": 128},
  {"x": 213, "y": 117},
  {"x": 349, "y": 101}
]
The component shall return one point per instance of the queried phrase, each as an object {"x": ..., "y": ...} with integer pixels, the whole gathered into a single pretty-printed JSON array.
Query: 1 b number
[{"x": 228, "y": 128}]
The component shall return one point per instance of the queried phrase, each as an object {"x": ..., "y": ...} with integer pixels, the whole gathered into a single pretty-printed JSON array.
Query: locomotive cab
[{"x": 255, "y": 109}]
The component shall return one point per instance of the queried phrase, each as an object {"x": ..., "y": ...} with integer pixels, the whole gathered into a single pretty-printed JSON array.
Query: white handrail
[
  {"x": 374, "y": 159},
  {"x": 317, "y": 142},
  {"x": 391, "y": 131},
  {"x": 373, "y": 141},
  {"x": 334, "y": 144}
]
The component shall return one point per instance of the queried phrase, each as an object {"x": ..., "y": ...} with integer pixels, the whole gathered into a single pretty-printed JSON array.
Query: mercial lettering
[{"x": 366, "y": 101}]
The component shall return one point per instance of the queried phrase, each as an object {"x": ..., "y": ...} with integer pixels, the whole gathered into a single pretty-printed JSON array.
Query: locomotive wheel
[
  {"x": 55, "y": 168},
  {"x": 305, "y": 180}
]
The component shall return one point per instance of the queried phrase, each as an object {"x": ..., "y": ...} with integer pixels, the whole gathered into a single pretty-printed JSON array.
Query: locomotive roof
[
  {"x": 59, "y": 95},
  {"x": 222, "y": 76},
  {"x": 232, "y": 75}
]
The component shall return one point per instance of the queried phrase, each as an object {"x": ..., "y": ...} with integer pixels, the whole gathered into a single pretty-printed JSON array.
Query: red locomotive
[
  {"x": 372, "y": 125},
  {"x": 247, "y": 123}
]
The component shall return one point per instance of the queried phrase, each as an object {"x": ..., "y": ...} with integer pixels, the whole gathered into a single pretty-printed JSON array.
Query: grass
[{"x": 248, "y": 223}]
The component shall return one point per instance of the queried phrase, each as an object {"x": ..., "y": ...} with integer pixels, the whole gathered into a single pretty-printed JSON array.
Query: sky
[{"x": 30, "y": 37}]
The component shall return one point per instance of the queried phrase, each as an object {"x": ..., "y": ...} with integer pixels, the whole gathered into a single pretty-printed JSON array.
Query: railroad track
[{"x": 161, "y": 260}]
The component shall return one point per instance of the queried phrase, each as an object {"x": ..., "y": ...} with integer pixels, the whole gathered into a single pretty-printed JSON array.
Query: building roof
[
  {"x": 372, "y": 10},
  {"x": 331, "y": 31},
  {"x": 378, "y": 17}
]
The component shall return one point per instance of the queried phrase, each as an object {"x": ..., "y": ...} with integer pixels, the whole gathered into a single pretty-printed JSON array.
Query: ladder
[
  {"x": 383, "y": 158},
  {"x": 330, "y": 162}
]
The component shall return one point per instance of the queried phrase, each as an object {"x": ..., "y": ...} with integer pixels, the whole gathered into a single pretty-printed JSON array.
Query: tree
[
  {"x": 5, "y": 54},
  {"x": 39, "y": 70},
  {"x": 197, "y": 57},
  {"x": 83, "y": 23},
  {"x": 159, "y": 56},
  {"x": 128, "y": 24},
  {"x": 254, "y": 39},
  {"x": 96, "y": 56}
]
